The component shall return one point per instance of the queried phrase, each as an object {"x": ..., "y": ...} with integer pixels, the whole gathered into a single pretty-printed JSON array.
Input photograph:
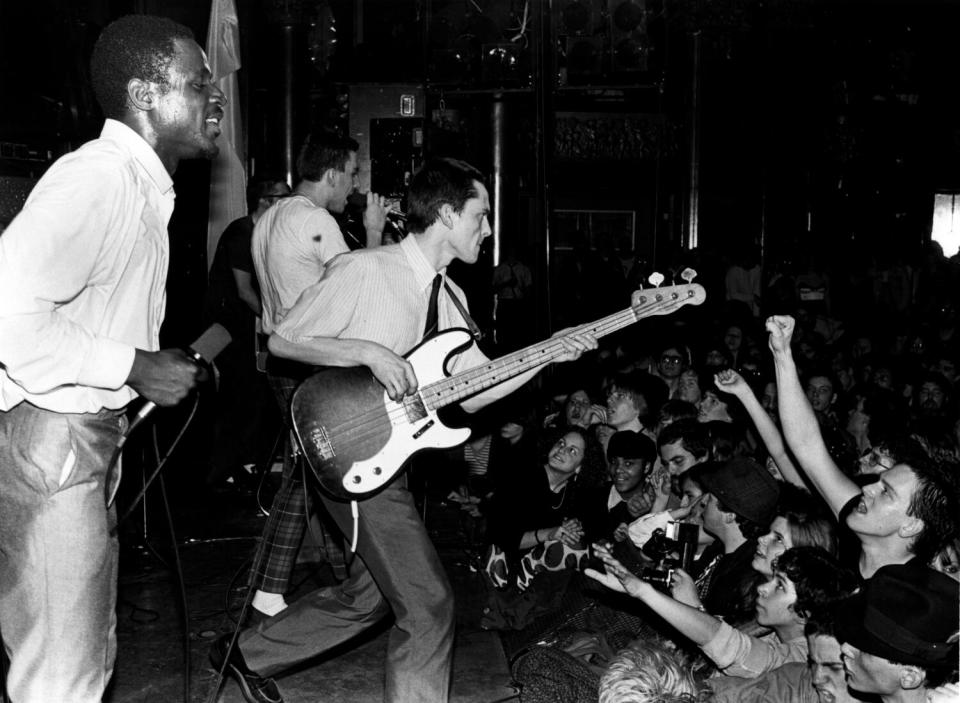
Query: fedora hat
[{"x": 905, "y": 613}]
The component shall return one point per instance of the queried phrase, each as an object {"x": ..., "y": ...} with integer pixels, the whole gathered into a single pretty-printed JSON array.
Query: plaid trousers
[{"x": 283, "y": 533}]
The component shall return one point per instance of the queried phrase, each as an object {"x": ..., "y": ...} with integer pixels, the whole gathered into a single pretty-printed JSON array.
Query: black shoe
[
  {"x": 255, "y": 688},
  {"x": 254, "y": 617}
]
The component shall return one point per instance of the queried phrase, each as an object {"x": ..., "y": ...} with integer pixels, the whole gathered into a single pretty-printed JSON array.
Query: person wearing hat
[
  {"x": 821, "y": 679},
  {"x": 739, "y": 502},
  {"x": 899, "y": 633}
]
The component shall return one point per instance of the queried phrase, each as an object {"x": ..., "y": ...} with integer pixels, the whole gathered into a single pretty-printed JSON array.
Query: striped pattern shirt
[{"x": 379, "y": 295}]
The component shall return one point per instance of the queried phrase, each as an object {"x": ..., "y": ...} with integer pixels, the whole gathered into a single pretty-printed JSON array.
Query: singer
[{"x": 82, "y": 275}]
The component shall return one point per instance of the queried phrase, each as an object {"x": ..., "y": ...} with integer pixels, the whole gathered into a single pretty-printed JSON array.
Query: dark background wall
[{"x": 823, "y": 125}]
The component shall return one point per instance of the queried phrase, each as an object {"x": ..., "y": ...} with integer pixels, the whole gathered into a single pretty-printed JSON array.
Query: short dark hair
[
  {"x": 822, "y": 372},
  {"x": 819, "y": 579},
  {"x": 748, "y": 528},
  {"x": 323, "y": 150},
  {"x": 692, "y": 435},
  {"x": 259, "y": 188},
  {"x": 133, "y": 46},
  {"x": 735, "y": 409},
  {"x": 676, "y": 409},
  {"x": 935, "y": 501},
  {"x": 439, "y": 182},
  {"x": 726, "y": 439}
]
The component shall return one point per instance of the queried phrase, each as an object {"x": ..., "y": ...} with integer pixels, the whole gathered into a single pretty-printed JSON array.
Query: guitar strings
[
  {"x": 367, "y": 424},
  {"x": 357, "y": 428}
]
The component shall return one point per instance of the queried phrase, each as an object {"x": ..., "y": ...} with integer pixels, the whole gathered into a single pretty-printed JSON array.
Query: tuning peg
[
  {"x": 688, "y": 274},
  {"x": 655, "y": 279}
]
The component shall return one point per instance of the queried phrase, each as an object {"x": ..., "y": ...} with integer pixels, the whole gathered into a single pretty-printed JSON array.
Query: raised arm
[
  {"x": 696, "y": 625},
  {"x": 799, "y": 422},
  {"x": 732, "y": 382}
]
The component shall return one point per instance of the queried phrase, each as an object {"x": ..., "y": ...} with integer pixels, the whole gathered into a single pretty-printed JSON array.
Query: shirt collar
[
  {"x": 422, "y": 269},
  {"x": 137, "y": 146}
]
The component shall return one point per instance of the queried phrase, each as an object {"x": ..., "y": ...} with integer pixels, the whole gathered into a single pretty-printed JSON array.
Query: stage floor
[{"x": 216, "y": 537}]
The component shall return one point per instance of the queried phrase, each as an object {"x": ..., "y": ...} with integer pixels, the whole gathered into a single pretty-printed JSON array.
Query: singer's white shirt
[
  {"x": 293, "y": 242},
  {"x": 83, "y": 271}
]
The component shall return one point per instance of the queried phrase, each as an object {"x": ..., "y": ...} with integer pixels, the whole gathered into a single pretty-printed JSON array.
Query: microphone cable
[
  {"x": 138, "y": 419},
  {"x": 178, "y": 566}
]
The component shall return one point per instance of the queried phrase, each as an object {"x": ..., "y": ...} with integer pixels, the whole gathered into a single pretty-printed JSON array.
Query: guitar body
[{"x": 354, "y": 438}]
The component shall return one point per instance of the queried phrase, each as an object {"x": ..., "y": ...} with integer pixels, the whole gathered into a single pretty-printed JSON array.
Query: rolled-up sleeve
[{"x": 738, "y": 654}]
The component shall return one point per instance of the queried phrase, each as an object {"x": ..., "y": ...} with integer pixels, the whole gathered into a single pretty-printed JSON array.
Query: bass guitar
[{"x": 356, "y": 439}]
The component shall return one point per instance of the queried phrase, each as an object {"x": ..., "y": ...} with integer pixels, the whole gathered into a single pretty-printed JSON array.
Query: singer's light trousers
[{"x": 58, "y": 563}]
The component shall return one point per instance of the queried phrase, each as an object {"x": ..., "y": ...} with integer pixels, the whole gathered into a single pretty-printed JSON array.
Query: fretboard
[{"x": 467, "y": 383}]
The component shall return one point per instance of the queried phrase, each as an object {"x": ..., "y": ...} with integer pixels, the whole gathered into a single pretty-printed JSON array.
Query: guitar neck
[{"x": 463, "y": 385}]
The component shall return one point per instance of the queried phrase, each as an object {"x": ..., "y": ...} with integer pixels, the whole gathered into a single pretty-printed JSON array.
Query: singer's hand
[
  {"x": 164, "y": 377},
  {"x": 375, "y": 217}
]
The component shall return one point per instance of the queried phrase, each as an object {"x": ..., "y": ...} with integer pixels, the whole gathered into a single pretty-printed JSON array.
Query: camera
[{"x": 669, "y": 549}]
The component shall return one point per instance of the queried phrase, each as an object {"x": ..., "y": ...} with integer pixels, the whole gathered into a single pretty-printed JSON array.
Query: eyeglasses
[{"x": 671, "y": 359}]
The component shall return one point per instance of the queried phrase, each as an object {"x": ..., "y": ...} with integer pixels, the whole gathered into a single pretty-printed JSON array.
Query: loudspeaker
[{"x": 630, "y": 45}]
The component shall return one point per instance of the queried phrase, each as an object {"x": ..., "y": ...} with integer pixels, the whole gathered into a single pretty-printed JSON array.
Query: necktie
[{"x": 433, "y": 321}]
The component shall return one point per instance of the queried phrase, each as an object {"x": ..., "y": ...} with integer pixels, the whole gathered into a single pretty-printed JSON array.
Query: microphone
[
  {"x": 204, "y": 349},
  {"x": 358, "y": 201}
]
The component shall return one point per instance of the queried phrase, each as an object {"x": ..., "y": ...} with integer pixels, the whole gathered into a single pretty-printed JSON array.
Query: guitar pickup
[
  {"x": 416, "y": 435},
  {"x": 414, "y": 408}
]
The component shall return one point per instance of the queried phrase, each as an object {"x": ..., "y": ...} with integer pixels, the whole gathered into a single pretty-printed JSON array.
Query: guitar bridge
[
  {"x": 414, "y": 408},
  {"x": 320, "y": 441}
]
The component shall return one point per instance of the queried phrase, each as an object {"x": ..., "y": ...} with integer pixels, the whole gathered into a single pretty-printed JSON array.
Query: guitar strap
[{"x": 475, "y": 331}]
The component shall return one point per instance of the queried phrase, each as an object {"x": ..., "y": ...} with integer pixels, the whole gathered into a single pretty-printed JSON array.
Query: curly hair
[
  {"x": 648, "y": 672},
  {"x": 133, "y": 47},
  {"x": 593, "y": 466},
  {"x": 819, "y": 579},
  {"x": 323, "y": 150}
]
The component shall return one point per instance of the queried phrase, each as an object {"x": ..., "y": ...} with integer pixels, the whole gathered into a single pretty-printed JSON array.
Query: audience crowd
[{"x": 774, "y": 498}]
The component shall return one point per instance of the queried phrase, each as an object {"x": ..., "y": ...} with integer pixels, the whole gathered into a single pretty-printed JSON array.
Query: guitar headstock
[{"x": 663, "y": 300}]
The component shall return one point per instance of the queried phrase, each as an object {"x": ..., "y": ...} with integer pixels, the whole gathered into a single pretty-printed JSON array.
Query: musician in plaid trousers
[{"x": 368, "y": 309}]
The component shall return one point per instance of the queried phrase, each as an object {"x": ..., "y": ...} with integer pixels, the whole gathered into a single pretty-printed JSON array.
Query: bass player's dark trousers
[{"x": 397, "y": 568}]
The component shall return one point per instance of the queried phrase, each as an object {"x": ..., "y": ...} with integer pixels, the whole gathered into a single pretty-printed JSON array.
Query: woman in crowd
[{"x": 537, "y": 521}]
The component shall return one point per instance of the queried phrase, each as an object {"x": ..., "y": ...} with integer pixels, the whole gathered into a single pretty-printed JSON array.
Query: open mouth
[
  {"x": 214, "y": 122},
  {"x": 825, "y": 695}
]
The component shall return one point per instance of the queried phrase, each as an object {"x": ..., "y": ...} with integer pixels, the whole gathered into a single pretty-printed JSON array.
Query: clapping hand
[{"x": 570, "y": 532}]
